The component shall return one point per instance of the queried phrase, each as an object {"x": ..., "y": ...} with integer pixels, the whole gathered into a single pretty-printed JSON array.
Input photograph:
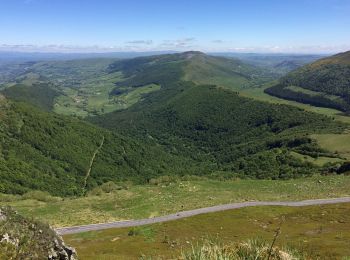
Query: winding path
[
  {"x": 91, "y": 163},
  {"x": 189, "y": 213}
]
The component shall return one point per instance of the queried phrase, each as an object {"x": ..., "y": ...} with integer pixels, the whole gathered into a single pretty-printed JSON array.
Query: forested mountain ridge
[
  {"x": 46, "y": 151},
  {"x": 210, "y": 123},
  {"x": 325, "y": 82},
  {"x": 190, "y": 66},
  {"x": 181, "y": 127},
  {"x": 87, "y": 87}
]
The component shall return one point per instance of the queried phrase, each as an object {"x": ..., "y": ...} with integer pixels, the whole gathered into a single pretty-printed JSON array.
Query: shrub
[
  {"x": 40, "y": 196},
  {"x": 107, "y": 187},
  {"x": 163, "y": 180},
  {"x": 252, "y": 249}
]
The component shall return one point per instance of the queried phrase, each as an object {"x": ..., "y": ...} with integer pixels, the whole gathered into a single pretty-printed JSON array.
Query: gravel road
[{"x": 189, "y": 213}]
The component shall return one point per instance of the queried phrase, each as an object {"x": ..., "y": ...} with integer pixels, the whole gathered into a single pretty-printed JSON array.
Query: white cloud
[
  {"x": 145, "y": 42},
  {"x": 218, "y": 41},
  {"x": 183, "y": 43},
  {"x": 174, "y": 45}
]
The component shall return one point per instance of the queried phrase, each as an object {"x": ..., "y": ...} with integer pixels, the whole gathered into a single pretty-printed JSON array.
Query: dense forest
[
  {"x": 183, "y": 128},
  {"x": 329, "y": 78},
  {"x": 238, "y": 136},
  {"x": 45, "y": 151},
  {"x": 40, "y": 94}
]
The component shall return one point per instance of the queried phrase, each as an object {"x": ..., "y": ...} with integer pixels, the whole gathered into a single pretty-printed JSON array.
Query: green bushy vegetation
[
  {"x": 189, "y": 66},
  {"x": 328, "y": 77},
  {"x": 235, "y": 135},
  {"x": 254, "y": 249},
  {"x": 39, "y": 94},
  {"x": 168, "y": 126},
  {"x": 49, "y": 152}
]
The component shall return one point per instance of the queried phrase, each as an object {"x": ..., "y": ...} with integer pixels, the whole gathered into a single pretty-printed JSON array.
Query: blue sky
[{"x": 314, "y": 26}]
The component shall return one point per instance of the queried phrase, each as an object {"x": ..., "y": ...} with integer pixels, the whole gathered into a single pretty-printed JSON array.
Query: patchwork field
[{"x": 321, "y": 232}]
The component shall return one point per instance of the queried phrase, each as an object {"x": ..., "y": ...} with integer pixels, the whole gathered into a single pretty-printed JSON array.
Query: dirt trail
[{"x": 92, "y": 162}]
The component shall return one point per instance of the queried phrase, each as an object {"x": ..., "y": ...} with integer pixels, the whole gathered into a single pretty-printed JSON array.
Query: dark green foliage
[
  {"x": 149, "y": 70},
  {"x": 39, "y": 94},
  {"x": 332, "y": 79},
  {"x": 44, "y": 151},
  {"x": 194, "y": 66},
  {"x": 181, "y": 129},
  {"x": 316, "y": 100},
  {"x": 221, "y": 130},
  {"x": 344, "y": 168},
  {"x": 330, "y": 76}
]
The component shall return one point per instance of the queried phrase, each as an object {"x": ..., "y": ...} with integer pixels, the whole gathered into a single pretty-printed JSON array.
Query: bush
[
  {"x": 251, "y": 249},
  {"x": 9, "y": 197},
  {"x": 40, "y": 196},
  {"x": 107, "y": 187},
  {"x": 163, "y": 180}
]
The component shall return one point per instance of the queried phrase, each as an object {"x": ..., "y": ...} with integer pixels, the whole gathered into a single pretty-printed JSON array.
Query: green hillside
[
  {"x": 45, "y": 151},
  {"x": 237, "y": 136},
  {"x": 41, "y": 95},
  {"x": 189, "y": 66},
  {"x": 324, "y": 83},
  {"x": 81, "y": 87},
  {"x": 169, "y": 124},
  {"x": 89, "y": 87}
]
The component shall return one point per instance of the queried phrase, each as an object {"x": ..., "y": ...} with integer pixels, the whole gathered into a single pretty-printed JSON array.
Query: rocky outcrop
[
  {"x": 60, "y": 251},
  {"x": 22, "y": 238}
]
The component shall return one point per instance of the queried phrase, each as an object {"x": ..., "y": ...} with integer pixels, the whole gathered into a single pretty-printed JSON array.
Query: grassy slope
[
  {"x": 143, "y": 201},
  {"x": 319, "y": 231},
  {"x": 232, "y": 74},
  {"x": 339, "y": 143}
]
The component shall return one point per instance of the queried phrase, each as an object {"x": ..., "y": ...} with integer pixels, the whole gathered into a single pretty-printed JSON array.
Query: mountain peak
[
  {"x": 190, "y": 54},
  {"x": 193, "y": 53}
]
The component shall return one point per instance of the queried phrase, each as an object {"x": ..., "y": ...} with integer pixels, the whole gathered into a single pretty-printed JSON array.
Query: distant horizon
[
  {"x": 163, "y": 51},
  {"x": 250, "y": 26}
]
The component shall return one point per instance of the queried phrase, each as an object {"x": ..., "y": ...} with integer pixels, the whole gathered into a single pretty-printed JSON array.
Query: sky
[{"x": 281, "y": 26}]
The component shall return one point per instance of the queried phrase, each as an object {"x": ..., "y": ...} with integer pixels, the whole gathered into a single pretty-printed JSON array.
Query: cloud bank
[{"x": 182, "y": 44}]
